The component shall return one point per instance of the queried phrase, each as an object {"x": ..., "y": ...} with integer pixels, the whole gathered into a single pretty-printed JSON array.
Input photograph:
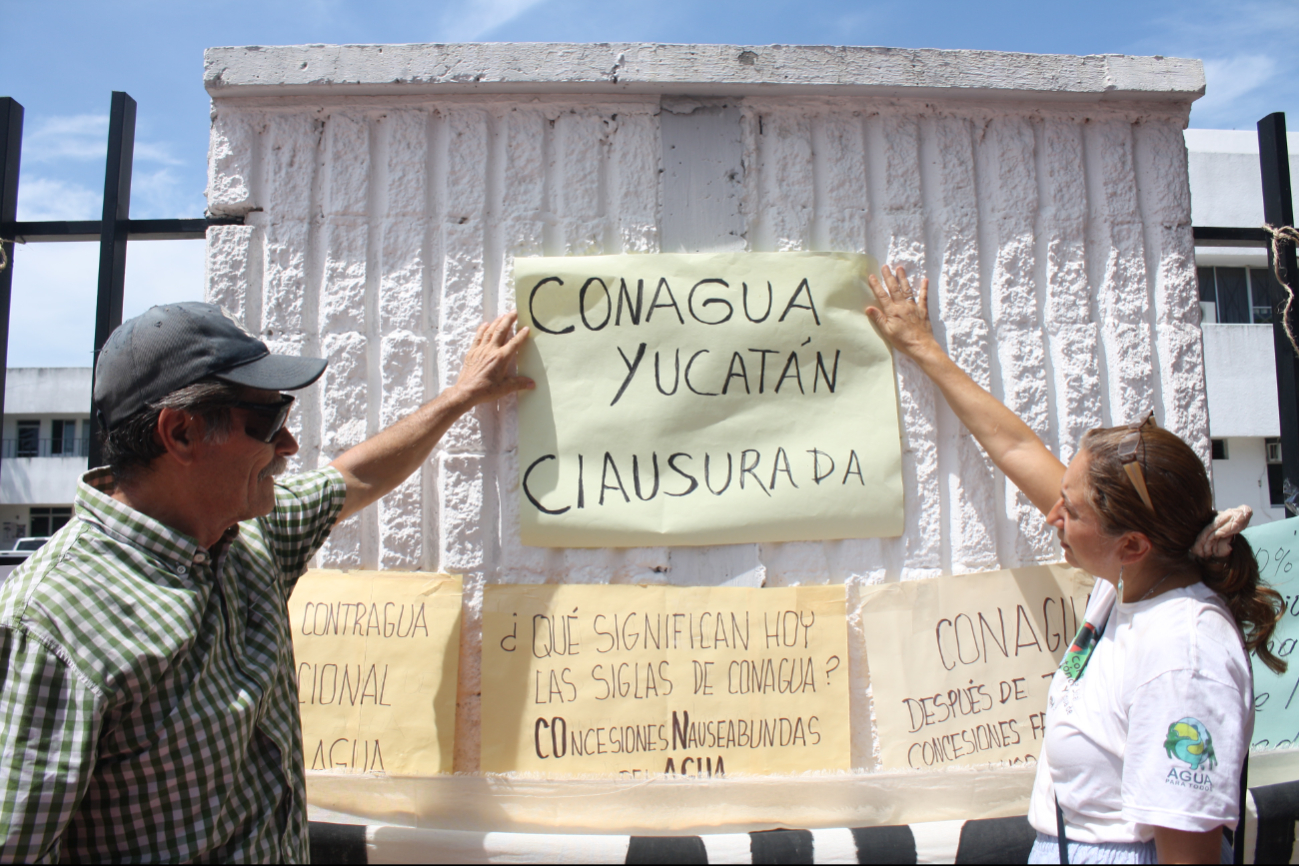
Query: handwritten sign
[
  {"x": 704, "y": 399},
  {"x": 377, "y": 657},
  {"x": 1276, "y": 696},
  {"x": 641, "y": 680},
  {"x": 960, "y": 666}
]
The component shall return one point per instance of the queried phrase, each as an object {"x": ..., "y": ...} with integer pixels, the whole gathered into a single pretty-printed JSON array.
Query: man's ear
[
  {"x": 179, "y": 433},
  {"x": 1133, "y": 547}
]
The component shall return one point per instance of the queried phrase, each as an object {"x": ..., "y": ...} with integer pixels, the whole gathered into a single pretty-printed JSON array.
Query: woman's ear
[
  {"x": 1133, "y": 547},
  {"x": 178, "y": 433}
]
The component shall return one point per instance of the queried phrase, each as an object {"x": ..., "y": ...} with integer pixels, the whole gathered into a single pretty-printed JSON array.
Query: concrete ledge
[{"x": 726, "y": 70}]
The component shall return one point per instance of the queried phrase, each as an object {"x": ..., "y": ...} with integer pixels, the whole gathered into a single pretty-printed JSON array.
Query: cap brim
[{"x": 275, "y": 372}]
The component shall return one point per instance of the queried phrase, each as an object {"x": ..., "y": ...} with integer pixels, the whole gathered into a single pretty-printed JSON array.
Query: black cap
[{"x": 174, "y": 345}]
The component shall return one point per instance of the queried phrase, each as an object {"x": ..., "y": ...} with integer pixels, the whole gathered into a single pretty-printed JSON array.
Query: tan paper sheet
[
  {"x": 960, "y": 666},
  {"x": 704, "y": 399},
  {"x": 643, "y": 680},
  {"x": 377, "y": 657}
]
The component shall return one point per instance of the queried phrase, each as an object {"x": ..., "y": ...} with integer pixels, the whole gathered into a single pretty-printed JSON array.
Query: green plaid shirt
[{"x": 147, "y": 691}]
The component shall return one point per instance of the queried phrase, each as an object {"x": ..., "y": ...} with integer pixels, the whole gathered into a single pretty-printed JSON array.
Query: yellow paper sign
[
  {"x": 704, "y": 399},
  {"x": 640, "y": 680},
  {"x": 377, "y": 657},
  {"x": 960, "y": 666}
]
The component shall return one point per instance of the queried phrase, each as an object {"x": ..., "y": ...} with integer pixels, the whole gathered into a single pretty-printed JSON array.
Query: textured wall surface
[{"x": 382, "y": 226}]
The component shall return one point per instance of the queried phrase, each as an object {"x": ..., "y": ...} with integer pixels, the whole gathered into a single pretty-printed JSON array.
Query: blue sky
[{"x": 61, "y": 60}]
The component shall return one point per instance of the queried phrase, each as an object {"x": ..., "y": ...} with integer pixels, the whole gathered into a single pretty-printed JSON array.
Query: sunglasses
[
  {"x": 1129, "y": 445},
  {"x": 265, "y": 420}
]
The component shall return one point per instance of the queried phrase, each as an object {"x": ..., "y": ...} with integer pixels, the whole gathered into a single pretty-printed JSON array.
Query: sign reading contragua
[
  {"x": 960, "y": 666},
  {"x": 704, "y": 399},
  {"x": 643, "y": 680},
  {"x": 377, "y": 661}
]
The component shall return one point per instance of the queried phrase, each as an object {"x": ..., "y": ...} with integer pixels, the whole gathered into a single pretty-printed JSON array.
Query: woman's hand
[
  {"x": 901, "y": 315},
  {"x": 903, "y": 318}
]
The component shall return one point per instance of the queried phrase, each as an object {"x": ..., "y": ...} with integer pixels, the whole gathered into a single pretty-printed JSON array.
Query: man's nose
[{"x": 285, "y": 444}]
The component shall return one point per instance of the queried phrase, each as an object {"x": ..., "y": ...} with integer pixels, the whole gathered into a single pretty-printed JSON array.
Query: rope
[
  {"x": 4, "y": 256},
  {"x": 1282, "y": 235}
]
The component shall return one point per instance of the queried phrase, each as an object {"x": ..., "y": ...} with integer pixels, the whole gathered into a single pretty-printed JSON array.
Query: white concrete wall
[
  {"x": 1240, "y": 377},
  {"x": 387, "y": 195},
  {"x": 47, "y": 391}
]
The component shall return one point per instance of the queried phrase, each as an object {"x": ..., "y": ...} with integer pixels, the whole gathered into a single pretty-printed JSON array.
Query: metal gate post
[
  {"x": 113, "y": 231},
  {"x": 11, "y": 148},
  {"x": 1278, "y": 210}
]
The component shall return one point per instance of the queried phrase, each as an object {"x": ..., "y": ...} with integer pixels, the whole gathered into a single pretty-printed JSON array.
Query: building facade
[
  {"x": 1239, "y": 360},
  {"x": 45, "y": 440}
]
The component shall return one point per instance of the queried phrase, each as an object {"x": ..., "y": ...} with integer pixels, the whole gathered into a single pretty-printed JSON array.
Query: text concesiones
[{"x": 554, "y": 738}]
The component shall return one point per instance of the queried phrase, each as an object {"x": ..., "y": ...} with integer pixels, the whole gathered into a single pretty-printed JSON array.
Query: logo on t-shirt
[{"x": 1189, "y": 741}]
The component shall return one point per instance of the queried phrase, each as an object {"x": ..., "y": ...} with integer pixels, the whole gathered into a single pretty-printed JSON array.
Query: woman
[{"x": 1150, "y": 715}]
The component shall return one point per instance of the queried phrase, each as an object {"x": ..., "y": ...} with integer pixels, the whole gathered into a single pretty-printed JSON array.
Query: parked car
[{"x": 23, "y": 548}]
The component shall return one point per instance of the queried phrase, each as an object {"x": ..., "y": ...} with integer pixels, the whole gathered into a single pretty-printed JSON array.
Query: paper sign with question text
[{"x": 644, "y": 680}]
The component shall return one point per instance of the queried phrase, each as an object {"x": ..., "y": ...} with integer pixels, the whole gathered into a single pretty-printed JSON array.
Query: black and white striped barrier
[{"x": 1269, "y": 838}]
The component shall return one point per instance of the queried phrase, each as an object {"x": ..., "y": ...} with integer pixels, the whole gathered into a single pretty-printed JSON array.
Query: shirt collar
[{"x": 95, "y": 504}]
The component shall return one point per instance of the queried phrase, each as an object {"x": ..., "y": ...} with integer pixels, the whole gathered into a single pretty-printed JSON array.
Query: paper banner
[
  {"x": 704, "y": 399},
  {"x": 642, "y": 680},
  {"x": 1276, "y": 696},
  {"x": 960, "y": 666},
  {"x": 377, "y": 658}
]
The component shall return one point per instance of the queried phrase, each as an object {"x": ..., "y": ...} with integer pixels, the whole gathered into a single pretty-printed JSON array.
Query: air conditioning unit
[{"x": 1273, "y": 450}]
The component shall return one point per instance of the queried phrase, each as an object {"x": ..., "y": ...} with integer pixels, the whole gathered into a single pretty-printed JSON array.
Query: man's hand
[
  {"x": 385, "y": 460},
  {"x": 485, "y": 375}
]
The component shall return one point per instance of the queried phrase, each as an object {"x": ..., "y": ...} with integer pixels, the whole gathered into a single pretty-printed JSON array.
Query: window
[
  {"x": 29, "y": 438},
  {"x": 1260, "y": 280},
  {"x": 1275, "y": 480},
  {"x": 1235, "y": 296},
  {"x": 1219, "y": 449},
  {"x": 63, "y": 438},
  {"x": 47, "y": 521}
]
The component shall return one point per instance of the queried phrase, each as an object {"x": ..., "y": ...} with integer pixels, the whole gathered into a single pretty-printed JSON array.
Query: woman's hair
[{"x": 1183, "y": 500}]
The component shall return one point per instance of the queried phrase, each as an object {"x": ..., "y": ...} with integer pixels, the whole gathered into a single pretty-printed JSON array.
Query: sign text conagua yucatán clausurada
[
  {"x": 642, "y": 680},
  {"x": 704, "y": 399}
]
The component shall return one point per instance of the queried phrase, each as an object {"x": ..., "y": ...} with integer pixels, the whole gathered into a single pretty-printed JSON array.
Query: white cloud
[
  {"x": 1246, "y": 75},
  {"x": 52, "y": 315},
  {"x": 83, "y": 137},
  {"x": 52, "y": 310},
  {"x": 157, "y": 193},
  {"x": 44, "y": 198},
  {"x": 475, "y": 19},
  {"x": 1230, "y": 80},
  {"x": 76, "y": 136},
  {"x": 160, "y": 193},
  {"x": 161, "y": 272}
]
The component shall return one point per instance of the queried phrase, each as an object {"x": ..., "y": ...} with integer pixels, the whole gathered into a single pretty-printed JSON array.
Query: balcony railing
[{"x": 45, "y": 448}]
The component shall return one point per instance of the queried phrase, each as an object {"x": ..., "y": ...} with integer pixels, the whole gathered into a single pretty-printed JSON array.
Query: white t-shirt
[{"x": 1155, "y": 730}]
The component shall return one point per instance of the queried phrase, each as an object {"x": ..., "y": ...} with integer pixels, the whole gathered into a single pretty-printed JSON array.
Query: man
[{"x": 148, "y": 700}]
